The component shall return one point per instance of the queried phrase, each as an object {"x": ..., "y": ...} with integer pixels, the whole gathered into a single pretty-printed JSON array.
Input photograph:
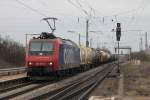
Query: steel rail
[
  {"x": 75, "y": 88},
  {"x": 69, "y": 88},
  {"x": 19, "y": 91},
  {"x": 59, "y": 92},
  {"x": 85, "y": 94},
  {"x": 86, "y": 88},
  {"x": 7, "y": 85},
  {"x": 19, "y": 85}
]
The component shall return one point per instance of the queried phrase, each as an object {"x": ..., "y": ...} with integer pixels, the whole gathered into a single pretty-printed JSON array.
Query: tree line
[{"x": 12, "y": 52}]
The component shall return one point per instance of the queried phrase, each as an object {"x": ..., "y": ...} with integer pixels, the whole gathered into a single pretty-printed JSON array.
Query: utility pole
[
  {"x": 141, "y": 43},
  {"x": 26, "y": 35},
  {"x": 87, "y": 26},
  {"x": 146, "y": 44},
  {"x": 91, "y": 42},
  {"x": 79, "y": 36},
  {"x": 140, "y": 47},
  {"x": 118, "y": 59},
  {"x": 79, "y": 39}
]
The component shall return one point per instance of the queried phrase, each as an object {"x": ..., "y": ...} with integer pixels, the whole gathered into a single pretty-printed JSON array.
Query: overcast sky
[{"x": 18, "y": 17}]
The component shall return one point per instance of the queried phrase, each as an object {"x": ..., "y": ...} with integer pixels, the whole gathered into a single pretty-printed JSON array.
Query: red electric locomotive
[{"x": 47, "y": 55}]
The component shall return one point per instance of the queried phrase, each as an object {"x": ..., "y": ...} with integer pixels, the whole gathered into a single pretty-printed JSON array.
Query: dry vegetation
[
  {"x": 11, "y": 53},
  {"x": 137, "y": 79},
  {"x": 141, "y": 56},
  {"x": 107, "y": 88}
]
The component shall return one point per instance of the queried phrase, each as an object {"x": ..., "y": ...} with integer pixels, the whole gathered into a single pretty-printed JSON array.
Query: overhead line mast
[{"x": 146, "y": 44}]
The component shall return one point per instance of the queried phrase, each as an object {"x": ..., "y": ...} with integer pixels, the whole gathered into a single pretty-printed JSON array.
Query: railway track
[
  {"x": 12, "y": 71},
  {"x": 22, "y": 88},
  {"x": 78, "y": 90},
  {"x": 75, "y": 87},
  {"x": 13, "y": 84}
]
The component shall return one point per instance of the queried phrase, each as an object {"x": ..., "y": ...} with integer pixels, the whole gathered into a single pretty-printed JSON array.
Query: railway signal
[
  {"x": 118, "y": 36},
  {"x": 118, "y": 31}
]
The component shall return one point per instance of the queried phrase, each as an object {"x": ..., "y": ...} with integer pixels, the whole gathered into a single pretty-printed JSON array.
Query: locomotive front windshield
[
  {"x": 35, "y": 46},
  {"x": 44, "y": 48},
  {"x": 47, "y": 47}
]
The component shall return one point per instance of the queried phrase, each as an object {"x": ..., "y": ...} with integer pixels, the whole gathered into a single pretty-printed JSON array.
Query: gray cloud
[{"x": 17, "y": 20}]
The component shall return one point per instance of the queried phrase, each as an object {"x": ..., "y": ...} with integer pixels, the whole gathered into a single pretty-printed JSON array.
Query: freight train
[{"x": 48, "y": 55}]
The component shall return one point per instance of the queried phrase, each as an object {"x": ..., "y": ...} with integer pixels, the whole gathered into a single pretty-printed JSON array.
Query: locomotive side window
[
  {"x": 35, "y": 46},
  {"x": 47, "y": 46}
]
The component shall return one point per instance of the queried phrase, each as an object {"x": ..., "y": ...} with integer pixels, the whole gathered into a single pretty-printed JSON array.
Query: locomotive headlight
[
  {"x": 50, "y": 63},
  {"x": 30, "y": 63}
]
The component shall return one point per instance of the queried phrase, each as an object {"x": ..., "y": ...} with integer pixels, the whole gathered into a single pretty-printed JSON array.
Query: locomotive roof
[
  {"x": 64, "y": 41},
  {"x": 50, "y": 37},
  {"x": 69, "y": 42},
  {"x": 36, "y": 40}
]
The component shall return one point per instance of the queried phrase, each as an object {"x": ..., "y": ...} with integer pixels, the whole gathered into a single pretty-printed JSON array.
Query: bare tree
[{"x": 11, "y": 51}]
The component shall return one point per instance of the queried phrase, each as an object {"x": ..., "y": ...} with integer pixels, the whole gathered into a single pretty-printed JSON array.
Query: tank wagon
[
  {"x": 48, "y": 55},
  {"x": 102, "y": 56}
]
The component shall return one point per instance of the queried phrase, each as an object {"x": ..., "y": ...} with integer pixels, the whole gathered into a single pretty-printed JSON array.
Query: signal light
[{"x": 118, "y": 31}]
